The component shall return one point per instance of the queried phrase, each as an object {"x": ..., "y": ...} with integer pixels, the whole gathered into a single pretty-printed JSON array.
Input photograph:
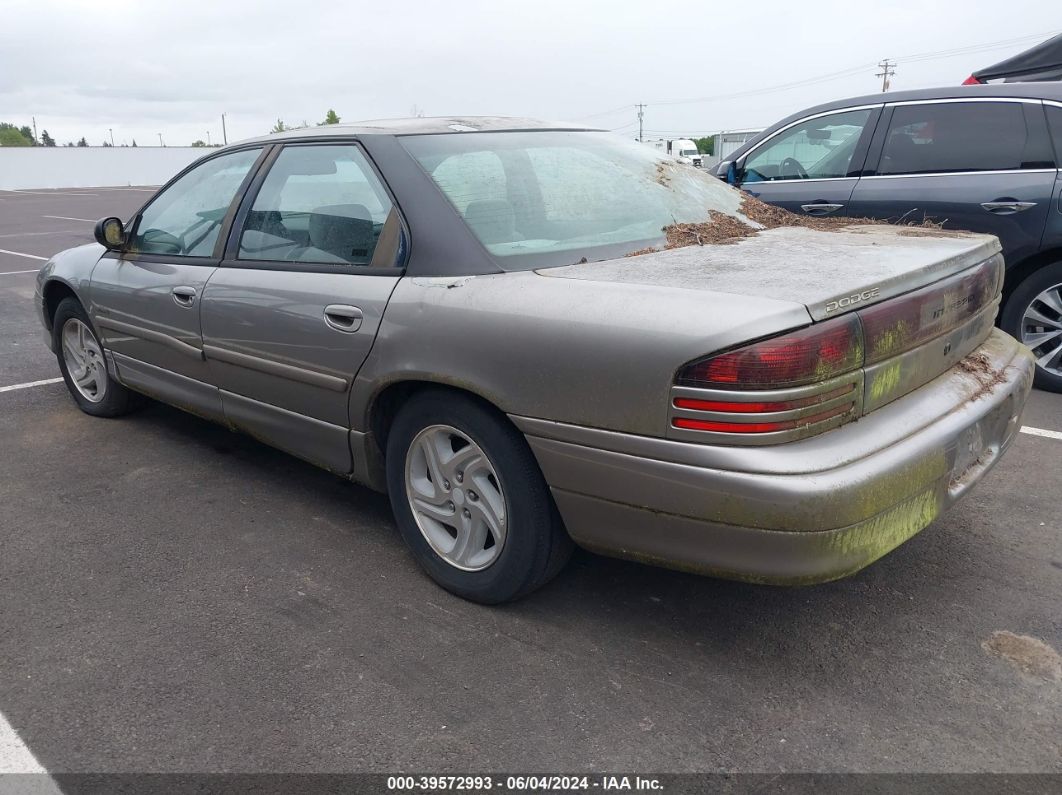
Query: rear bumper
[{"x": 803, "y": 512}]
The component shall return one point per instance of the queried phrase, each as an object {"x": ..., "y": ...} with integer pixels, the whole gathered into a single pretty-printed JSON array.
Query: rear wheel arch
[
  {"x": 385, "y": 405},
  {"x": 1018, "y": 273}
]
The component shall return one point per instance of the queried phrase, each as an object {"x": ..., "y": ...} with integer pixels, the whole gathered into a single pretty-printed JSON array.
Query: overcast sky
[{"x": 143, "y": 67}]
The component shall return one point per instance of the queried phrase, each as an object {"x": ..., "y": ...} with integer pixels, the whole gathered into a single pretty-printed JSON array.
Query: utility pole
[
  {"x": 111, "y": 131},
  {"x": 641, "y": 113},
  {"x": 160, "y": 140},
  {"x": 887, "y": 71},
  {"x": 34, "y": 130},
  {"x": 224, "y": 133}
]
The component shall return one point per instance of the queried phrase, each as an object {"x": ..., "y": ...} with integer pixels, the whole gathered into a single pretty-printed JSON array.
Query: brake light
[{"x": 812, "y": 354}]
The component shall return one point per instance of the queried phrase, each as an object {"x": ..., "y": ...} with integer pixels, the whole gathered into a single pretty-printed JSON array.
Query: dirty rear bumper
[{"x": 803, "y": 512}]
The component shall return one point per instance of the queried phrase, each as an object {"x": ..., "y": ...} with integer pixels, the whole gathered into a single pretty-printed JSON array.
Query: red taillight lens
[
  {"x": 897, "y": 326},
  {"x": 759, "y": 407},
  {"x": 971, "y": 81},
  {"x": 687, "y": 423},
  {"x": 813, "y": 354}
]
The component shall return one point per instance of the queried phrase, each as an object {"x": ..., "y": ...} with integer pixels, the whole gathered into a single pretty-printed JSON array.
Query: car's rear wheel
[
  {"x": 1033, "y": 315},
  {"x": 82, "y": 363},
  {"x": 470, "y": 500}
]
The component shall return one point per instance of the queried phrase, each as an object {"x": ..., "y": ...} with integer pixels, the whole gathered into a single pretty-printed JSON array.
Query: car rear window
[
  {"x": 552, "y": 197},
  {"x": 955, "y": 136}
]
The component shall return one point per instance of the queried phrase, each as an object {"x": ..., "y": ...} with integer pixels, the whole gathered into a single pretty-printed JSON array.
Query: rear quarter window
[
  {"x": 1054, "y": 121},
  {"x": 955, "y": 136}
]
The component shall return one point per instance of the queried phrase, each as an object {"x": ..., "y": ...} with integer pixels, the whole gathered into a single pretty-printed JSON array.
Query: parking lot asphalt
[{"x": 176, "y": 597}]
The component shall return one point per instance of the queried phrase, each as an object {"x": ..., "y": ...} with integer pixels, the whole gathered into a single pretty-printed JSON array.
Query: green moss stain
[{"x": 884, "y": 381}]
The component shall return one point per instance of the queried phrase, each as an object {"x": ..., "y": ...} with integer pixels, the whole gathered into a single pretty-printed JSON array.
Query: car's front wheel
[
  {"x": 1033, "y": 315},
  {"x": 82, "y": 363},
  {"x": 470, "y": 500}
]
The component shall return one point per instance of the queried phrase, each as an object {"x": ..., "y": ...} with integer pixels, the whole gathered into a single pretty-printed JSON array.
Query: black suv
[{"x": 984, "y": 158}]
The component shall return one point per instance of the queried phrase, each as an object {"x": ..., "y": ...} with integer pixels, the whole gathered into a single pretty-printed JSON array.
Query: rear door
[
  {"x": 293, "y": 311},
  {"x": 811, "y": 166},
  {"x": 145, "y": 300},
  {"x": 984, "y": 166}
]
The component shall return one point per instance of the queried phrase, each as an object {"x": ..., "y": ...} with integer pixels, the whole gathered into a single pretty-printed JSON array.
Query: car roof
[
  {"x": 1052, "y": 91},
  {"x": 433, "y": 125}
]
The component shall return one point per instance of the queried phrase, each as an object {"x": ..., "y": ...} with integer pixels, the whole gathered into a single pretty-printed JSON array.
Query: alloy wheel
[
  {"x": 456, "y": 497},
  {"x": 84, "y": 360},
  {"x": 1041, "y": 329}
]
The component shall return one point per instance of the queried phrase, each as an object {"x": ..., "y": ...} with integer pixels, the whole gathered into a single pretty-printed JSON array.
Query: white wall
[{"x": 91, "y": 166}]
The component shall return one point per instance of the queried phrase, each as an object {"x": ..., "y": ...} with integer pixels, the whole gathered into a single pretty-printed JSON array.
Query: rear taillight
[
  {"x": 811, "y": 380},
  {"x": 894, "y": 327},
  {"x": 813, "y": 354}
]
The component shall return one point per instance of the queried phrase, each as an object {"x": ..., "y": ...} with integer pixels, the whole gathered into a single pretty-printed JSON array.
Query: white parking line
[
  {"x": 20, "y": 254},
  {"x": 44, "y": 234},
  {"x": 1041, "y": 432},
  {"x": 12, "y": 273},
  {"x": 68, "y": 218},
  {"x": 46, "y": 193},
  {"x": 17, "y": 759},
  {"x": 29, "y": 384}
]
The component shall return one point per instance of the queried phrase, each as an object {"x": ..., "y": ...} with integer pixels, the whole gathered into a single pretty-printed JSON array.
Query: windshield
[
  {"x": 535, "y": 199},
  {"x": 689, "y": 153}
]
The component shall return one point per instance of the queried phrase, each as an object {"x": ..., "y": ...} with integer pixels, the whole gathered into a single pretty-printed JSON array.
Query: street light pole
[
  {"x": 224, "y": 133},
  {"x": 208, "y": 137},
  {"x": 111, "y": 131},
  {"x": 161, "y": 143}
]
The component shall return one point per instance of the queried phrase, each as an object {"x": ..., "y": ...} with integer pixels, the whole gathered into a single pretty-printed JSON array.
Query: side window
[
  {"x": 185, "y": 219},
  {"x": 1054, "y": 120},
  {"x": 321, "y": 204},
  {"x": 820, "y": 148},
  {"x": 955, "y": 136}
]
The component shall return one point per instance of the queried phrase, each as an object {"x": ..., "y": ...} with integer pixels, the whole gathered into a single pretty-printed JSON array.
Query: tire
[
  {"x": 99, "y": 394},
  {"x": 1029, "y": 295},
  {"x": 527, "y": 546}
]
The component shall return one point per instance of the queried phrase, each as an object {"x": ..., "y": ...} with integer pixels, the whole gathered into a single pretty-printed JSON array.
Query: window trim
[
  {"x": 885, "y": 124},
  {"x": 858, "y": 156},
  {"x": 230, "y": 252},
  {"x": 134, "y": 256}
]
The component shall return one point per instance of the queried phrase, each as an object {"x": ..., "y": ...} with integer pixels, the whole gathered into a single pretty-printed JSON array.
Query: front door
[
  {"x": 292, "y": 312},
  {"x": 978, "y": 166},
  {"x": 811, "y": 166},
  {"x": 145, "y": 300}
]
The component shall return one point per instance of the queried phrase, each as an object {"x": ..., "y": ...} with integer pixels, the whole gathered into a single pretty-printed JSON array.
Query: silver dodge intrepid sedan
[{"x": 488, "y": 319}]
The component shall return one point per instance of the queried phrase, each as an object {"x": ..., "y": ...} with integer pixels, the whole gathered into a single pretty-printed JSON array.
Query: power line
[{"x": 823, "y": 78}]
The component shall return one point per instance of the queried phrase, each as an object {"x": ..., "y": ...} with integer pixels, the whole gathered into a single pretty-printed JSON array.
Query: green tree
[
  {"x": 134, "y": 142},
  {"x": 27, "y": 133},
  {"x": 46, "y": 140},
  {"x": 330, "y": 118},
  {"x": 706, "y": 145},
  {"x": 197, "y": 144},
  {"x": 11, "y": 136},
  {"x": 279, "y": 127},
  {"x": 107, "y": 144},
  {"x": 82, "y": 142}
]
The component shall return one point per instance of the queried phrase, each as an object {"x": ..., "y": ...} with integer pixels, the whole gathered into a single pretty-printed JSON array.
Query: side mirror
[
  {"x": 732, "y": 174},
  {"x": 110, "y": 233}
]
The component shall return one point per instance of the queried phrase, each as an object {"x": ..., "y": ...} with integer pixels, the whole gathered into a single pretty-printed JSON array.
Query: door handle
[
  {"x": 1007, "y": 206},
  {"x": 820, "y": 208},
  {"x": 183, "y": 296},
  {"x": 342, "y": 317}
]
